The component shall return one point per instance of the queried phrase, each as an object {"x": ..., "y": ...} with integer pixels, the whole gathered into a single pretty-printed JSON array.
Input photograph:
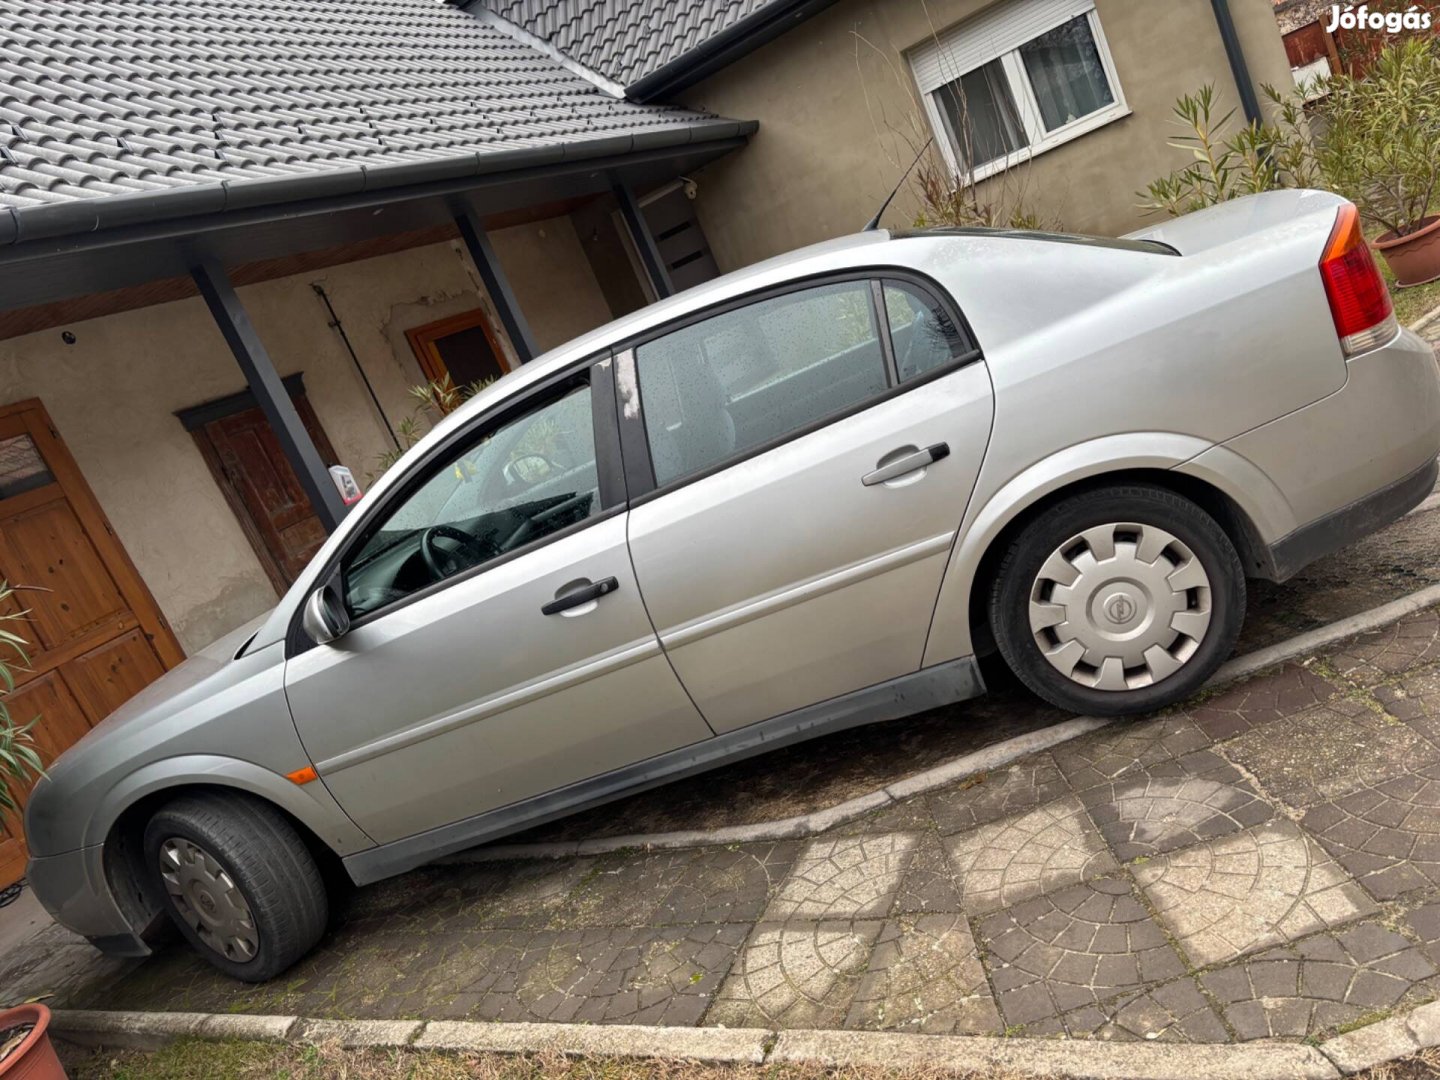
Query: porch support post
[
  {"x": 265, "y": 383},
  {"x": 644, "y": 239},
  {"x": 492, "y": 274}
]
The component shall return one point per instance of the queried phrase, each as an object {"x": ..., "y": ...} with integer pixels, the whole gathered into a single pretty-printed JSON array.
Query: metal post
[
  {"x": 650, "y": 258},
  {"x": 1236, "y": 55},
  {"x": 265, "y": 383},
  {"x": 472, "y": 231}
]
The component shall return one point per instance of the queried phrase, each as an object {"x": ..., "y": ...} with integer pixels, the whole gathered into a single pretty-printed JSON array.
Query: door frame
[
  {"x": 145, "y": 612},
  {"x": 427, "y": 353},
  {"x": 196, "y": 417},
  {"x": 101, "y": 533}
]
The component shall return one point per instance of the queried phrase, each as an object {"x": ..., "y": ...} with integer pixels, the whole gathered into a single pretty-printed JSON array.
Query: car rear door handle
[
  {"x": 585, "y": 594},
  {"x": 910, "y": 462}
]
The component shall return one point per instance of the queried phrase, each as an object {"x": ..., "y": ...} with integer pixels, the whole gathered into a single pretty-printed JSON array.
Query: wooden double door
[{"x": 96, "y": 636}]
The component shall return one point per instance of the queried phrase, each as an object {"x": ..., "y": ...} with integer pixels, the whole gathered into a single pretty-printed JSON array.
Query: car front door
[
  {"x": 498, "y": 646},
  {"x": 802, "y": 461}
]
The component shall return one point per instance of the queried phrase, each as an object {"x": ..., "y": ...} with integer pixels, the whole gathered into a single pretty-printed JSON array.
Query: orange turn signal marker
[{"x": 303, "y": 776}]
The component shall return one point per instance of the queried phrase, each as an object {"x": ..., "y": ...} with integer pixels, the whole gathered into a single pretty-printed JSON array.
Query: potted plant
[
  {"x": 1378, "y": 144},
  {"x": 25, "y": 1049},
  {"x": 19, "y": 759}
]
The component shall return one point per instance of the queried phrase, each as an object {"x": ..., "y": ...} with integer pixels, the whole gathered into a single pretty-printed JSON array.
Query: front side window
[
  {"x": 525, "y": 479},
  {"x": 724, "y": 386},
  {"x": 922, "y": 331},
  {"x": 997, "y": 92}
]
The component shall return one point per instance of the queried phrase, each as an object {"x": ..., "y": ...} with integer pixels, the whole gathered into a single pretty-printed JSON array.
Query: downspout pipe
[{"x": 1225, "y": 19}]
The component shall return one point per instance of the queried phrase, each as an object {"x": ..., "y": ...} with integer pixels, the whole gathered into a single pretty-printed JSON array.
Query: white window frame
[{"x": 933, "y": 66}]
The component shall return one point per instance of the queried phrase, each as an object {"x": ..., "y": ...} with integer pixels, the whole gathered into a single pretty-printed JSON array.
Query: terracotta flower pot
[
  {"x": 1415, "y": 258},
  {"x": 33, "y": 1059}
]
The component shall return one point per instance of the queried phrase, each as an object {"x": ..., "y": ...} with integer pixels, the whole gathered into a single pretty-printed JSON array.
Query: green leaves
[
  {"x": 1374, "y": 140},
  {"x": 437, "y": 396},
  {"x": 1379, "y": 142},
  {"x": 19, "y": 758},
  {"x": 1256, "y": 158}
]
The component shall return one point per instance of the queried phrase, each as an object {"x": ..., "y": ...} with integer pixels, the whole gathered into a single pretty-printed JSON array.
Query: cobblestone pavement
[{"x": 1263, "y": 863}]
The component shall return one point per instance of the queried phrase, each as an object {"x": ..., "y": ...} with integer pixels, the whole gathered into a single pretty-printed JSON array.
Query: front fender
[
  {"x": 311, "y": 804},
  {"x": 1250, "y": 489}
]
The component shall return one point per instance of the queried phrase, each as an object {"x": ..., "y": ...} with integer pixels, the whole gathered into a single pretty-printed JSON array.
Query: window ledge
[{"x": 1058, "y": 137}]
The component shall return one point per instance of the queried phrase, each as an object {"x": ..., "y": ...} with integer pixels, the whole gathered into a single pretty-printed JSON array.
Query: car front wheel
[
  {"x": 1118, "y": 600},
  {"x": 238, "y": 881}
]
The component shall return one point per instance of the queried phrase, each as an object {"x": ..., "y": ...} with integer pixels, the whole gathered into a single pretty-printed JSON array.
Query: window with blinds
[{"x": 1016, "y": 80}]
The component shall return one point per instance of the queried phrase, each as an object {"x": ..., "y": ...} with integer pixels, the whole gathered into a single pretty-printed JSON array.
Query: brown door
[
  {"x": 96, "y": 636},
  {"x": 259, "y": 483}
]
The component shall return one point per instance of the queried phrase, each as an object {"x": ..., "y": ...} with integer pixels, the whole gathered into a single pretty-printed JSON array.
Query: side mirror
[{"x": 325, "y": 617}]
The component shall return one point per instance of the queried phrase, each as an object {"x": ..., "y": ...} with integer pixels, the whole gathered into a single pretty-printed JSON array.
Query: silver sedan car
[{"x": 799, "y": 498}]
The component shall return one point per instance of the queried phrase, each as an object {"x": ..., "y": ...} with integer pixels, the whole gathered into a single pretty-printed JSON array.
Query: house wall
[
  {"x": 113, "y": 395},
  {"x": 839, "y": 120}
]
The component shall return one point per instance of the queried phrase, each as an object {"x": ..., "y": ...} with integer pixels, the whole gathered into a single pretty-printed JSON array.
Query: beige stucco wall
[
  {"x": 113, "y": 395},
  {"x": 839, "y": 122}
]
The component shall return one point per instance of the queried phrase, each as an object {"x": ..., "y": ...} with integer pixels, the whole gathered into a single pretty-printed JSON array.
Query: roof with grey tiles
[
  {"x": 625, "y": 40},
  {"x": 121, "y": 97}
]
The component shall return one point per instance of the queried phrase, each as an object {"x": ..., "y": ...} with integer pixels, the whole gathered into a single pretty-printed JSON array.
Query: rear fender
[{"x": 1249, "y": 488}]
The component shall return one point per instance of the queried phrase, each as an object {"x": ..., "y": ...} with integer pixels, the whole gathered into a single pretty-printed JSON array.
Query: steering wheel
[
  {"x": 526, "y": 529},
  {"x": 440, "y": 561}
]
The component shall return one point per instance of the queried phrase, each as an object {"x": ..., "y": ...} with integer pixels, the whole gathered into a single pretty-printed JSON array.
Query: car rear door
[
  {"x": 798, "y": 464},
  {"x": 524, "y": 660}
]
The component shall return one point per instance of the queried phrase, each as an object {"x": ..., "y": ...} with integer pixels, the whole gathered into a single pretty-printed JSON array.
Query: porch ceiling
[
  {"x": 43, "y": 269},
  {"x": 139, "y": 138}
]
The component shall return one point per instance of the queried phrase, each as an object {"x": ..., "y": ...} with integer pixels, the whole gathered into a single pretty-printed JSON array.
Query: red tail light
[{"x": 1360, "y": 303}]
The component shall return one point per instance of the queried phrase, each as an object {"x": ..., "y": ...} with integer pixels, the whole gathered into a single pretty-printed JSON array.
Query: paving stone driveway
[{"x": 1264, "y": 863}]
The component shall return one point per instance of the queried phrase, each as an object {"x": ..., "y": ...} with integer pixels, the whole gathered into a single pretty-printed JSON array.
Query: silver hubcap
[
  {"x": 208, "y": 899},
  {"x": 1120, "y": 606}
]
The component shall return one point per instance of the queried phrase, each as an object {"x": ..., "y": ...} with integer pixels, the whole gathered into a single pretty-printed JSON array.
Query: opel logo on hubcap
[{"x": 1120, "y": 609}]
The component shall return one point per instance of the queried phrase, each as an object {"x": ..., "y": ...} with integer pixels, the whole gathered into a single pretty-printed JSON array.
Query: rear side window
[
  {"x": 923, "y": 333},
  {"x": 743, "y": 378}
]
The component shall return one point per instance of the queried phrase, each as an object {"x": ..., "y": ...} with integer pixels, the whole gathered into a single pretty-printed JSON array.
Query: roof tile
[
  {"x": 625, "y": 40},
  {"x": 112, "y": 99}
]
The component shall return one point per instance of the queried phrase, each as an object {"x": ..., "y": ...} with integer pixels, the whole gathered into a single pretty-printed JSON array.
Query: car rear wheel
[
  {"x": 1118, "y": 600},
  {"x": 238, "y": 881}
]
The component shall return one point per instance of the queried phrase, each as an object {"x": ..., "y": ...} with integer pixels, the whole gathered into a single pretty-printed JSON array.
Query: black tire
[
  {"x": 256, "y": 845},
  {"x": 1145, "y": 505}
]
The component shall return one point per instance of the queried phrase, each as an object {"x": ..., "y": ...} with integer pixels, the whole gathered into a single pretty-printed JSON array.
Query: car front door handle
[
  {"x": 585, "y": 594},
  {"x": 912, "y": 461}
]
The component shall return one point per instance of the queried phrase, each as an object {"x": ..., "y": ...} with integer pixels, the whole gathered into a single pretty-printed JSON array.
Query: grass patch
[
  {"x": 1363, "y": 1021},
  {"x": 192, "y": 1059},
  {"x": 1422, "y": 1066}
]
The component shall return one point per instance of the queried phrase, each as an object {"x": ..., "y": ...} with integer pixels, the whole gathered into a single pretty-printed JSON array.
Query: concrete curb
[
  {"x": 1056, "y": 1057},
  {"x": 736, "y": 1046},
  {"x": 1419, "y": 325},
  {"x": 1430, "y": 503},
  {"x": 988, "y": 759},
  {"x": 1076, "y": 1058}
]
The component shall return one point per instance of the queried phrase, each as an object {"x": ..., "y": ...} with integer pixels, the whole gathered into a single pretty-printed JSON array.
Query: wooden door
[
  {"x": 260, "y": 484},
  {"x": 96, "y": 635}
]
